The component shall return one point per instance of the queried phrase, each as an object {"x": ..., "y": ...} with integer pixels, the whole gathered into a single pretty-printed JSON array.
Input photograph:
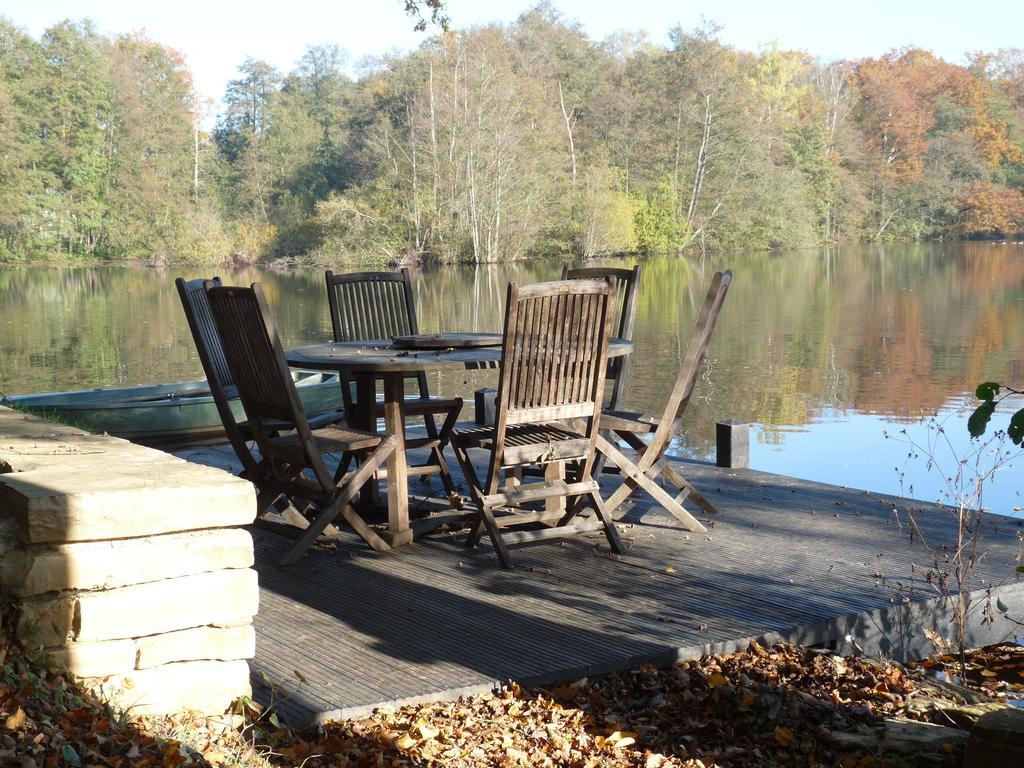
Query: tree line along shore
[{"x": 495, "y": 143}]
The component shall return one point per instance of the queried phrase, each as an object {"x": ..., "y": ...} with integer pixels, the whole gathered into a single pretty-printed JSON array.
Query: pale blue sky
[{"x": 216, "y": 35}]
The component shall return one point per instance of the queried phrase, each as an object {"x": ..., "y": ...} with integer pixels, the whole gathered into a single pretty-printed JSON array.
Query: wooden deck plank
[{"x": 435, "y": 620}]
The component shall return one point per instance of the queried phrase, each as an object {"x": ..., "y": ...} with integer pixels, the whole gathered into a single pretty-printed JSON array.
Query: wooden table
[{"x": 380, "y": 359}]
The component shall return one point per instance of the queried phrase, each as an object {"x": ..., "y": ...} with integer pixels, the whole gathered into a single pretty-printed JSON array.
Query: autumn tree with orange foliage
[
  {"x": 989, "y": 209},
  {"x": 895, "y": 108},
  {"x": 938, "y": 136}
]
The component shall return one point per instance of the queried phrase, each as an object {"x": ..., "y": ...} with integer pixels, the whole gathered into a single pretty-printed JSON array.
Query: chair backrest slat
[
  {"x": 254, "y": 353},
  {"x": 556, "y": 339},
  {"x": 215, "y": 366},
  {"x": 371, "y": 305},
  {"x": 625, "y": 284},
  {"x": 204, "y": 332},
  {"x": 553, "y": 360}
]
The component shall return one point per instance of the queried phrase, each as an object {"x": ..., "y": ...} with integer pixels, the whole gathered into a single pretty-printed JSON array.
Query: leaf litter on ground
[{"x": 767, "y": 705}]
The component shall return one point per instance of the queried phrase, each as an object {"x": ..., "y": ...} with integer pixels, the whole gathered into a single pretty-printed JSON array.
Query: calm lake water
[{"x": 825, "y": 352}]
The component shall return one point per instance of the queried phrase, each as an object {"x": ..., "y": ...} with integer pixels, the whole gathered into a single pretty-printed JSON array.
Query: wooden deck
[{"x": 346, "y": 630}]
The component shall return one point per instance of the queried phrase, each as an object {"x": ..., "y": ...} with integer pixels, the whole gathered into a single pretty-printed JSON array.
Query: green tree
[
  {"x": 75, "y": 128},
  {"x": 150, "y": 135},
  {"x": 657, "y": 223},
  {"x": 23, "y": 177},
  {"x": 808, "y": 150},
  {"x": 603, "y": 215}
]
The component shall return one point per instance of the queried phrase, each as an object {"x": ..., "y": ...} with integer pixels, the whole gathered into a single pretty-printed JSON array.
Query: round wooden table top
[{"x": 383, "y": 356}]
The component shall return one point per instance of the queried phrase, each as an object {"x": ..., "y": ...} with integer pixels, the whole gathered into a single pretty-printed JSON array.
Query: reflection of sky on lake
[{"x": 846, "y": 448}]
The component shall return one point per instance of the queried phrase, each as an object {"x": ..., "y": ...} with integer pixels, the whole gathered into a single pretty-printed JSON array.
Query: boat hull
[{"x": 163, "y": 415}]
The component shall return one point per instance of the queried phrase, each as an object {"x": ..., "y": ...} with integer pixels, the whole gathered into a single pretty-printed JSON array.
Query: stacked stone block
[{"x": 127, "y": 566}]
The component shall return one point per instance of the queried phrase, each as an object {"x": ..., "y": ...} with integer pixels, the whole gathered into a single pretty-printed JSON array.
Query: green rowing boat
[{"x": 163, "y": 415}]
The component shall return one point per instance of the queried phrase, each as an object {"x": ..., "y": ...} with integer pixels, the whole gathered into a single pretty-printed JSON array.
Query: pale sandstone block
[
  {"x": 228, "y": 596},
  {"x": 164, "y": 606},
  {"x": 60, "y": 484},
  {"x": 114, "y": 657},
  {"x": 83, "y": 502},
  {"x": 215, "y": 643},
  {"x": 18, "y": 426},
  {"x": 102, "y": 565},
  {"x": 203, "y": 686},
  {"x": 120, "y": 657},
  {"x": 47, "y": 621}
]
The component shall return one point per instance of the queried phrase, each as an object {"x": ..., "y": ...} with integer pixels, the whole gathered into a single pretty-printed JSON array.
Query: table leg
[
  {"x": 398, "y": 532},
  {"x": 555, "y": 470}
]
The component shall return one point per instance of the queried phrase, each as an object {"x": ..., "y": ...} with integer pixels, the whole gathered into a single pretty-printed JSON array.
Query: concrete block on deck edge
[
  {"x": 26, "y": 571},
  {"x": 203, "y": 686},
  {"x": 113, "y": 657},
  {"x": 200, "y": 643},
  {"x": 139, "y": 610},
  {"x": 732, "y": 444},
  {"x": 485, "y": 406}
]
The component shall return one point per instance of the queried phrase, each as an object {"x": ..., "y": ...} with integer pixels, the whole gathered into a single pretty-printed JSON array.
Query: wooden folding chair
[
  {"x": 218, "y": 375},
  {"x": 222, "y": 388},
  {"x": 553, "y": 362},
  {"x": 625, "y": 289},
  {"x": 650, "y": 463},
  {"x": 256, "y": 360},
  {"x": 379, "y": 305}
]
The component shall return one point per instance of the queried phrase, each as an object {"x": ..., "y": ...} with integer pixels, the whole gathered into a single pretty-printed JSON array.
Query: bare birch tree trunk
[
  {"x": 569, "y": 124},
  {"x": 702, "y": 161},
  {"x": 195, "y": 157}
]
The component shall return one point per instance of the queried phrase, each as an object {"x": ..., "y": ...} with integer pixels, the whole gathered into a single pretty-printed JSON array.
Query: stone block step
[
  {"x": 219, "y": 597},
  {"x": 26, "y": 571}
]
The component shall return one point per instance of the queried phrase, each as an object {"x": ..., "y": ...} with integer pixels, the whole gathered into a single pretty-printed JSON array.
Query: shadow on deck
[{"x": 346, "y": 630}]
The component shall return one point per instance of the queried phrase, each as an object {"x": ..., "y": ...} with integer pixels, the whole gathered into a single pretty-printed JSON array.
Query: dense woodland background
[{"x": 499, "y": 142}]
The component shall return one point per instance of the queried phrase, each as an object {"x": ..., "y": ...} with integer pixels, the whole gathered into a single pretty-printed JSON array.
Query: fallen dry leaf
[
  {"x": 406, "y": 741},
  {"x": 716, "y": 679},
  {"x": 15, "y": 721},
  {"x": 620, "y": 739},
  {"x": 427, "y": 731}
]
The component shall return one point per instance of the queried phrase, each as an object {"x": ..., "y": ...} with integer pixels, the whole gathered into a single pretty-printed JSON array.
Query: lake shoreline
[{"x": 305, "y": 261}]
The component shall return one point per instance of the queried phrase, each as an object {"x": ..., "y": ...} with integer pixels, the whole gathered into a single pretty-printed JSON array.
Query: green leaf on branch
[
  {"x": 979, "y": 419},
  {"x": 987, "y": 391},
  {"x": 1016, "y": 429}
]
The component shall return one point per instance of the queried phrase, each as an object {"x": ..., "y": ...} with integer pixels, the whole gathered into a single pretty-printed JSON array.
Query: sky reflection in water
[{"x": 873, "y": 453}]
